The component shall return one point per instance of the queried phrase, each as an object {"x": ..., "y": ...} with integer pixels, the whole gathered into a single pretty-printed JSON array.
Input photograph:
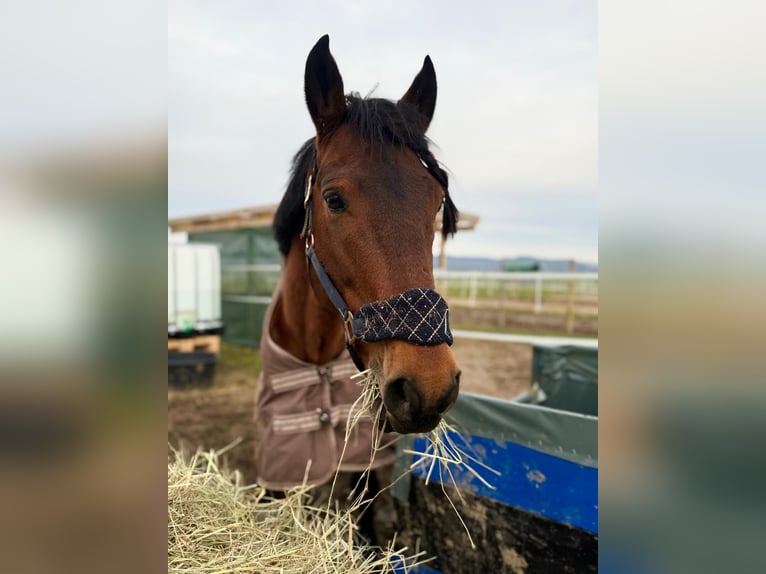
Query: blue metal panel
[
  {"x": 399, "y": 568},
  {"x": 530, "y": 480}
]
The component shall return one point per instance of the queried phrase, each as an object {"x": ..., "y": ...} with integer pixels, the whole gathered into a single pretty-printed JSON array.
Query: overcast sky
[{"x": 515, "y": 122}]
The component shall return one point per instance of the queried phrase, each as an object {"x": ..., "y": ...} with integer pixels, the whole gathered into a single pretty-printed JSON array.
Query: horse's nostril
[
  {"x": 403, "y": 398},
  {"x": 449, "y": 398}
]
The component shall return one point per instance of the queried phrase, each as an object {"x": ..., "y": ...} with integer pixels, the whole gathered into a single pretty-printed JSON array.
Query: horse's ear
[
  {"x": 324, "y": 88},
  {"x": 422, "y": 93}
]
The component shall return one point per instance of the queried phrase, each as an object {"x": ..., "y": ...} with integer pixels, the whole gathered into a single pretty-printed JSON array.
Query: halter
[{"x": 419, "y": 316}]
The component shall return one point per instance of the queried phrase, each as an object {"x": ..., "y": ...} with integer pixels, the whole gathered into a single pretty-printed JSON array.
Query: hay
[
  {"x": 441, "y": 450},
  {"x": 217, "y": 525},
  {"x": 370, "y": 405}
]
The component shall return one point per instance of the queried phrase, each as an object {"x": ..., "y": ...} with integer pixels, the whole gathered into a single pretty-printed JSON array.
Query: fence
[
  {"x": 533, "y": 292},
  {"x": 469, "y": 286}
]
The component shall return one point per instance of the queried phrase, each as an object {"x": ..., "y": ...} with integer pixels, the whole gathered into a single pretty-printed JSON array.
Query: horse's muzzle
[
  {"x": 424, "y": 380},
  {"x": 419, "y": 316},
  {"x": 409, "y": 408}
]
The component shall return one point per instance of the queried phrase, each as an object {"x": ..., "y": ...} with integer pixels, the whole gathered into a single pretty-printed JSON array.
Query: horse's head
[{"x": 373, "y": 192}]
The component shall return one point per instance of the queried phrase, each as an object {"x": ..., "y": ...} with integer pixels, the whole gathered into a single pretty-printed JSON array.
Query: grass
[
  {"x": 240, "y": 357},
  {"x": 516, "y": 292},
  {"x": 492, "y": 306}
]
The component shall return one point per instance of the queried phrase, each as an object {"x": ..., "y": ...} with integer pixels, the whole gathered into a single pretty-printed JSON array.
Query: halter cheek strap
[{"x": 419, "y": 316}]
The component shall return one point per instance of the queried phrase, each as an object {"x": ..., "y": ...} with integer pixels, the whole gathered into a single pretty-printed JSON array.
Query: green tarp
[
  {"x": 564, "y": 425},
  {"x": 244, "y": 290},
  {"x": 569, "y": 377}
]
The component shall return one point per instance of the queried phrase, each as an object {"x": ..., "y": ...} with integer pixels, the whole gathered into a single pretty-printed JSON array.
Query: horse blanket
[{"x": 301, "y": 415}]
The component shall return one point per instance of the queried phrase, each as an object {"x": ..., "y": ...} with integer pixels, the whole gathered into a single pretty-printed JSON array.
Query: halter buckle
[
  {"x": 348, "y": 327},
  {"x": 306, "y": 232},
  {"x": 307, "y": 195}
]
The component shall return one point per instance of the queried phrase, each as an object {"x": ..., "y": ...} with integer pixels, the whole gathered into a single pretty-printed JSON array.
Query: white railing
[
  {"x": 539, "y": 340},
  {"x": 567, "y": 282},
  {"x": 518, "y": 275},
  {"x": 572, "y": 280},
  {"x": 439, "y": 274}
]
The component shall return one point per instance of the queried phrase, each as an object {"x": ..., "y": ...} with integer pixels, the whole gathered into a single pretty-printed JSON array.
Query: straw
[
  {"x": 218, "y": 525},
  {"x": 441, "y": 450}
]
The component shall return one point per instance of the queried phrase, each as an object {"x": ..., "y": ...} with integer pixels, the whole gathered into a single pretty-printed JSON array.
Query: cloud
[{"x": 517, "y": 104}]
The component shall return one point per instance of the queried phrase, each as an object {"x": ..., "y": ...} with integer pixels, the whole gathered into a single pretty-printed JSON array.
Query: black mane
[{"x": 381, "y": 122}]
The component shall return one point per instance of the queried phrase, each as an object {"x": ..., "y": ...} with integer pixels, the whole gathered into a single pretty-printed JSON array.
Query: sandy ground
[
  {"x": 217, "y": 416},
  {"x": 554, "y": 324},
  {"x": 496, "y": 369}
]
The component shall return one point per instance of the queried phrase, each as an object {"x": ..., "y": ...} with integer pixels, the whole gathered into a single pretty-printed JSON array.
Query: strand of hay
[
  {"x": 369, "y": 404},
  {"x": 442, "y": 452},
  {"x": 217, "y": 525}
]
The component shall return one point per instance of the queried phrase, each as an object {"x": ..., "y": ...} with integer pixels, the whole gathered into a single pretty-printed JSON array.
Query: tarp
[
  {"x": 244, "y": 291},
  {"x": 547, "y": 453},
  {"x": 565, "y": 435},
  {"x": 537, "y": 507},
  {"x": 569, "y": 377}
]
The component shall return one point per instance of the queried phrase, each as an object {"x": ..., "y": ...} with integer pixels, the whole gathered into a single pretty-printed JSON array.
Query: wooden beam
[
  {"x": 252, "y": 217},
  {"x": 226, "y": 220}
]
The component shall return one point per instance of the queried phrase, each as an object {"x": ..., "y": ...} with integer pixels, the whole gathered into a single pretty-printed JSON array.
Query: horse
[{"x": 355, "y": 229}]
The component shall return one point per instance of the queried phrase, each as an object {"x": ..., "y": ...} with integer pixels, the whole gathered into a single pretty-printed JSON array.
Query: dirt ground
[
  {"x": 495, "y": 369},
  {"x": 544, "y": 324},
  {"x": 217, "y": 416}
]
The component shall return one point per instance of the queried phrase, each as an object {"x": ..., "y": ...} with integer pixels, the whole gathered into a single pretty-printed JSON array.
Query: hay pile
[
  {"x": 215, "y": 524},
  {"x": 218, "y": 525}
]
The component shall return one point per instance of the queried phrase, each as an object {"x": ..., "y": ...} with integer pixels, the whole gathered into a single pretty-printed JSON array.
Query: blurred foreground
[
  {"x": 82, "y": 446},
  {"x": 682, "y": 316}
]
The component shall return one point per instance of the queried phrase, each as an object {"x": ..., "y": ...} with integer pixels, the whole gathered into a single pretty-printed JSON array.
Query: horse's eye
[{"x": 335, "y": 201}]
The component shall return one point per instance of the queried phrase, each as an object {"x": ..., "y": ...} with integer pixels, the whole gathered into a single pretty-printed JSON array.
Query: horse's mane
[{"x": 381, "y": 122}]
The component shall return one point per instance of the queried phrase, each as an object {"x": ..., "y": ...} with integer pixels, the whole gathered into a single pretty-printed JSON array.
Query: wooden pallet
[{"x": 205, "y": 343}]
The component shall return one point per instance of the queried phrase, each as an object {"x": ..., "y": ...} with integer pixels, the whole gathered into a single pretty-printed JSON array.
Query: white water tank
[{"x": 194, "y": 288}]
